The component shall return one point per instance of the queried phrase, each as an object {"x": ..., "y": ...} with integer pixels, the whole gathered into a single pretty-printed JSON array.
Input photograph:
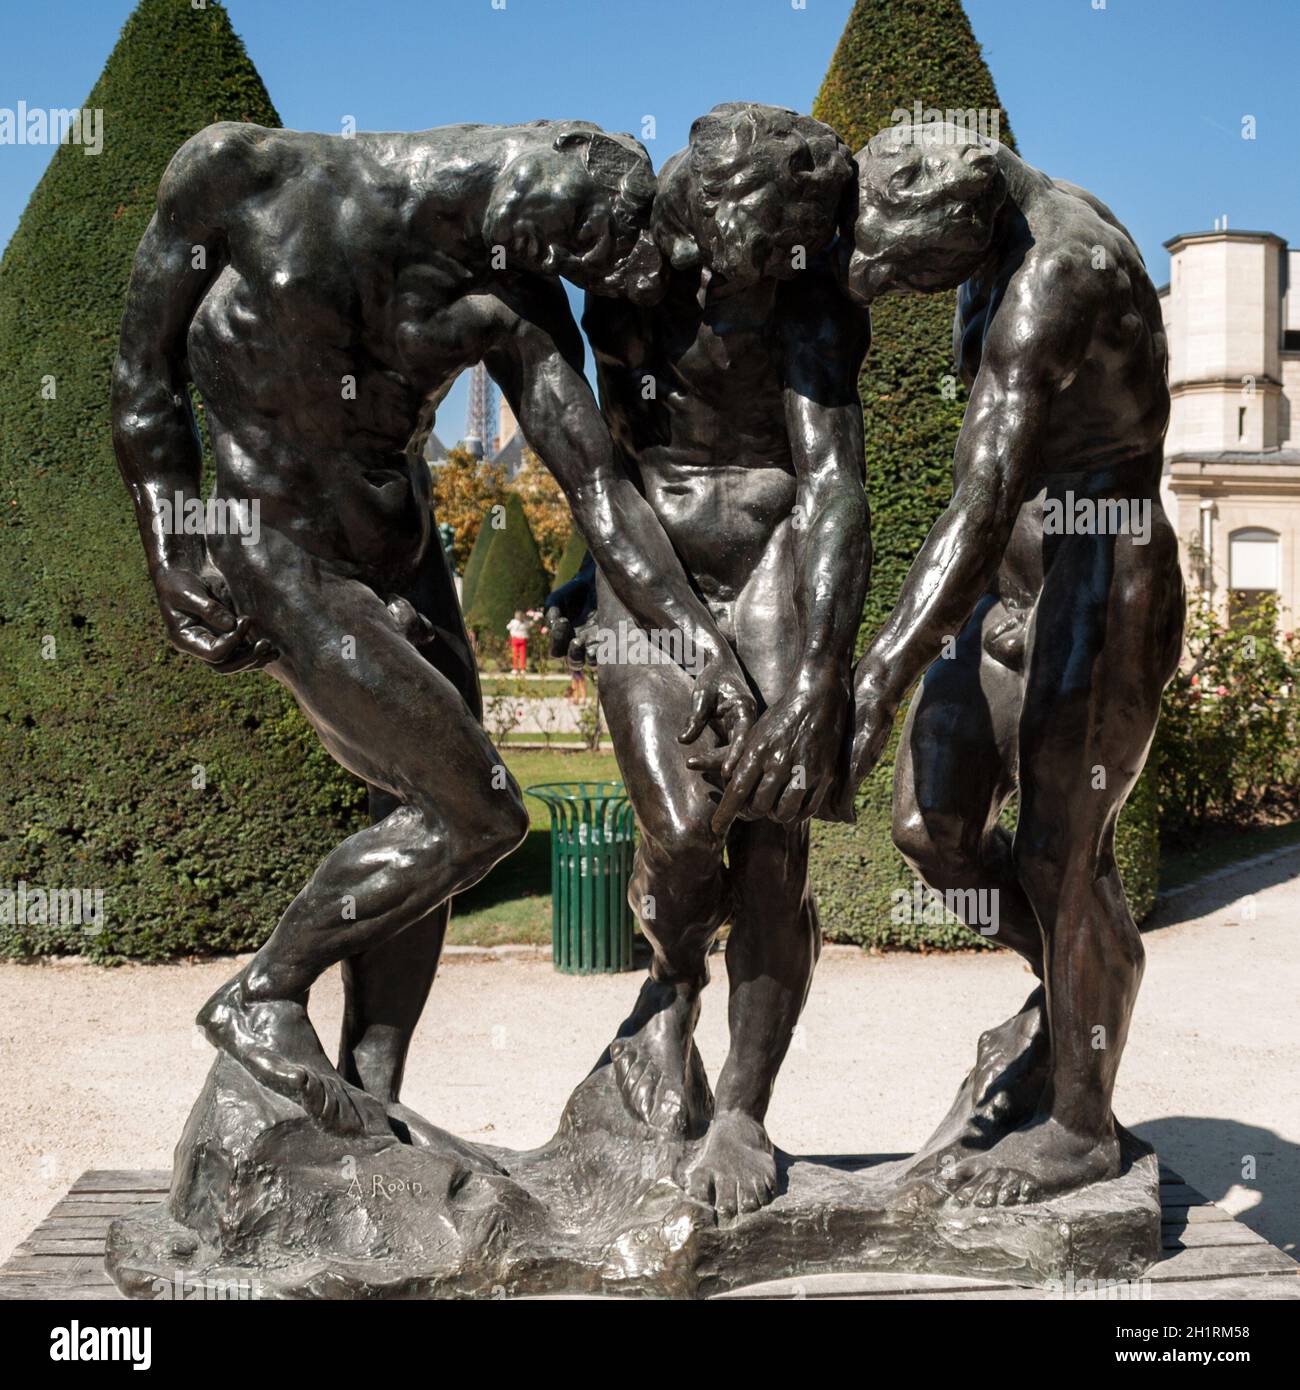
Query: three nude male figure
[{"x": 342, "y": 286}]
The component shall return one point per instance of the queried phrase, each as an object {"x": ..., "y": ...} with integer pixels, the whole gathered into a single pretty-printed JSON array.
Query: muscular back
[
  {"x": 1078, "y": 277},
  {"x": 333, "y": 263},
  {"x": 345, "y": 285},
  {"x": 1071, "y": 305}
]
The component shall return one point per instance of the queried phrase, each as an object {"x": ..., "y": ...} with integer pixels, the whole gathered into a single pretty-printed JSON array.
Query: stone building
[{"x": 1232, "y": 455}]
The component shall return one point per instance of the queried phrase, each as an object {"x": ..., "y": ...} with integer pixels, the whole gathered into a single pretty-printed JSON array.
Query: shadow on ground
[
  {"x": 1199, "y": 900},
  {"x": 1218, "y": 1156}
]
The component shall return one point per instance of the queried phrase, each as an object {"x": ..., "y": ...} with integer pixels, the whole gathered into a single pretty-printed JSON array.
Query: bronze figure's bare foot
[
  {"x": 275, "y": 1043},
  {"x": 735, "y": 1171},
  {"x": 1037, "y": 1161},
  {"x": 1001, "y": 1092},
  {"x": 659, "y": 1071}
]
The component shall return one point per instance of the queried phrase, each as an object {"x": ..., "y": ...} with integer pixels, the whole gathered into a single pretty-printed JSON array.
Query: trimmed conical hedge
[
  {"x": 198, "y": 803},
  {"x": 892, "y": 55},
  {"x": 474, "y": 565},
  {"x": 571, "y": 559},
  {"x": 513, "y": 576}
]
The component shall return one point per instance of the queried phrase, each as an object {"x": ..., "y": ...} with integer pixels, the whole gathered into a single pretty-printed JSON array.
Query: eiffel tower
[{"x": 481, "y": 413}]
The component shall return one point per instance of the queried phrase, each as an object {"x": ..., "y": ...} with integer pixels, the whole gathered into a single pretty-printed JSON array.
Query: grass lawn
[
  {"x": 564, "y": 742},
  {"x": 513, "y": 903},
  {"x": 533, "y": 690}
]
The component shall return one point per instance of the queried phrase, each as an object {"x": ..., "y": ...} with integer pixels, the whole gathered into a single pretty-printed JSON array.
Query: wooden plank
[
  {"x": 1214, "y": 1234},
  {"x": 51, "y": 1282},
  {"x": 61, "y": 1248},
  {"x": 66, "y": 1263},
  {"x": 58, "y": 1220},
  {"x": 1209, "y": 1262},
  {"x": 1187, "y": 1216},
  {"x": 104, "y": 1204},
  {"x": 72, "y": 1223},
  {"x": 118, "y": 1180},
  {"x": 29, "y": 1289},
  {"x": 60, "y": 1234}
]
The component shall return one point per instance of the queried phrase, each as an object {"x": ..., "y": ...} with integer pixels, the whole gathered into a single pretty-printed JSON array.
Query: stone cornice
[
  {"x": 1221, "y": 383},
  {"x": 1198, "y": 476}
]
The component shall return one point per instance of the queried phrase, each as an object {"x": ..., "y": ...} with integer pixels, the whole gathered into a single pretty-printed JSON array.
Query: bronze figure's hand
[
  {"x": 874, "y": 710},
  {"x": 199, "y": 623},
  {"x": 790, "y": 758},
  {"x": 721, "y": 697}
]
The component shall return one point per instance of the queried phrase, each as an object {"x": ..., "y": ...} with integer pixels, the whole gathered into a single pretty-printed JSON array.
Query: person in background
[
  {"x": 571, "y": 620},
  {"x": 518, "y": 628}
]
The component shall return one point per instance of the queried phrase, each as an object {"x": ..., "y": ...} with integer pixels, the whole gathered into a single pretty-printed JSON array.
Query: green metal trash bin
[{"x": 593, "y": 839}]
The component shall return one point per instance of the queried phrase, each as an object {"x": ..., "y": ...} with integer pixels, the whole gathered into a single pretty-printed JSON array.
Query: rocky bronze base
[{"x": 266, "y": 1204}]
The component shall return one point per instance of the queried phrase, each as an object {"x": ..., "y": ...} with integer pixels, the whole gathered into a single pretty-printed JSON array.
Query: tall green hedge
[
  {"x": 892, "y": 54},
  {"x": 571, "y": 558},
  {"x": 513, "y": 576},
  {"x": 104, "y": 730},
  {"x": 474, "y": 565}
]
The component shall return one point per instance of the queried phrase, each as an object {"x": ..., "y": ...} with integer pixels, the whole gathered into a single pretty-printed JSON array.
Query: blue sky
[{"x": 1141, "y": 101}]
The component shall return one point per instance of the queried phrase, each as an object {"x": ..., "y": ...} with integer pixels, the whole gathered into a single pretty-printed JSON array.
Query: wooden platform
[{"x": 1207, "y": 1254}]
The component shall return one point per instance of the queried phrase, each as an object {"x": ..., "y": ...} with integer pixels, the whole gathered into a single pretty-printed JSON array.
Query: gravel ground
[{"x": 103, "y": 1065}]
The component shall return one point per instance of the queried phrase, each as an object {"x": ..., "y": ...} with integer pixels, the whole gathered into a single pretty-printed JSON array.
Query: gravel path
[{"x": 103, "y": 1065}]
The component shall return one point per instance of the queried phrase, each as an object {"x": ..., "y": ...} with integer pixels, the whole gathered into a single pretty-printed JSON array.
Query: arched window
[
  {"x": 1254, "y": 559},
  {"x": 1254, "y": 570}
]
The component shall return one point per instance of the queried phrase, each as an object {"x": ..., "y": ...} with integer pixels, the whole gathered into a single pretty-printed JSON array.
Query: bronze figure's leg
[
  {"x": 1104, "y": 641},
  {"x": 385, "y": 987},
  {"x": 954, "y": 772},
  {"x": 775, "y": 936},
  {"x": 385, "y": 713},
  {"x": 679, "y": 890},
  {"x": 772, "y": 950}
]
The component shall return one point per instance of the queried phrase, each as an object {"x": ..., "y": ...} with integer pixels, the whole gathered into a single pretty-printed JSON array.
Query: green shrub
[
  {"x": 1137, "y": 841},
  {"x": 474, "y": 565},
  {"x": 512, "y": 577},
  {"x": 1229, "y": 737},
  {"x": 892, "y": 54},
  {"x": 571, "y": 558},
  {"x": 102, "y": 725}
]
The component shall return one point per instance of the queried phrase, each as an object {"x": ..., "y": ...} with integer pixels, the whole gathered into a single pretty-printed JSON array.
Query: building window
[{"x": 1254, "y": 568}]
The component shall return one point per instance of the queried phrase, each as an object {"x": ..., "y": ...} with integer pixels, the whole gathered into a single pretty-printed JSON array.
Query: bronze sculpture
[
  {"x": 321, "y": 294},
  {"x": 1059, "y": 644}
]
